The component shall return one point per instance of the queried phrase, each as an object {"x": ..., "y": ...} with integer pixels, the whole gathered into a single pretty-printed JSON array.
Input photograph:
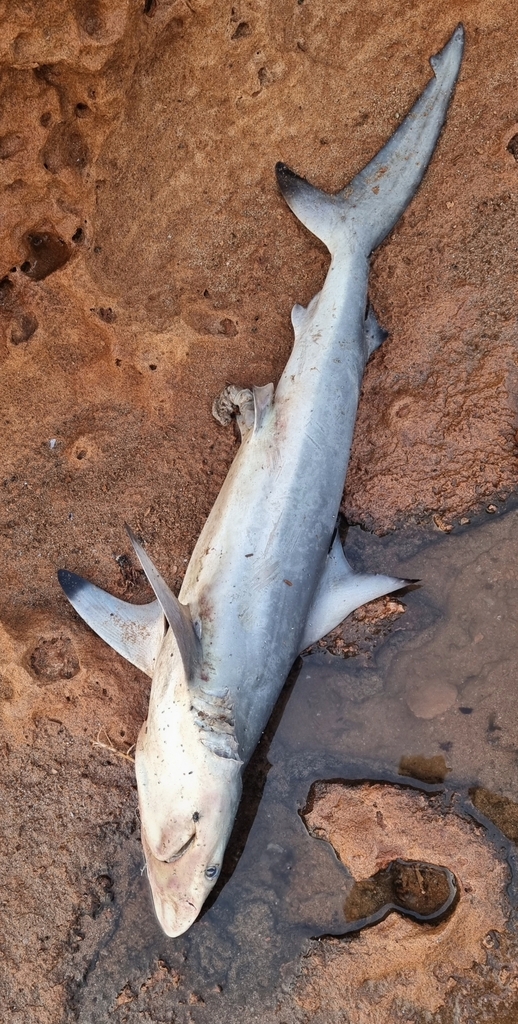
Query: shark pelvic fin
[
  {"x": 135, "y": 631},
  {"x": 363, "y": 213},
  {"x": 177, "y": 614},
  {"x": 340, "y": 591}
]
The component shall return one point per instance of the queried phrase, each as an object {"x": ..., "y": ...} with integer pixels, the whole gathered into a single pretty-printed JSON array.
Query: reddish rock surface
[
  {"x": 146, "y": 259},
  {"x": 399, "y": 962}
]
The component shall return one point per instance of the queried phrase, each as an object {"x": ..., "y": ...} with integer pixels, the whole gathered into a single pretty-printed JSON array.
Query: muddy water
[{"x": 430, "y": 710}]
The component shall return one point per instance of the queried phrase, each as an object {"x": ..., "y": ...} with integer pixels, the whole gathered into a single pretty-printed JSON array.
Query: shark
[{"x": 268, "y": 575}]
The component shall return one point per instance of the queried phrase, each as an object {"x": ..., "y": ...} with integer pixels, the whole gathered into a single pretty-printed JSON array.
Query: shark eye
[
  {"x": 179, "y": 853},
  {"x": 212, "y": 871},
  {"x": 196, "y": 816}
]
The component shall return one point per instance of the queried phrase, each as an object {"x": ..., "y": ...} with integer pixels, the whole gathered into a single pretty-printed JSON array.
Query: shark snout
[
  {"x": 175, "y": 908},
  {"x": 173, "y": 887},
  {"x": 174, "y": 915}
]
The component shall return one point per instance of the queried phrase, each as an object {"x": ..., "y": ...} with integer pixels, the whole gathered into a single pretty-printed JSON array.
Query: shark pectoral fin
[
  {"x": 263, "y": 400},
  {"x": 340, "y": 591},
  {"x": 135, "y": 631},
  {"x": 177, "y": 614}
]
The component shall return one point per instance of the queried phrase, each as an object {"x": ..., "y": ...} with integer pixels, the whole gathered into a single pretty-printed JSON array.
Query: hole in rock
[
  {"x": 242, "y": 30},
  {"x": 425, "y": 892},
  {"x": 10, "y": 145},
  {"x": 512, "y": 146},
  {"x": 23, "y": 329},
  {"x": 65, "y": 147},
  {"x": 6, "y": 291},
  {"x": 48, "y": 251},
  {"x": 107, "y": 314},
  {"x": 54, "y": 658}
]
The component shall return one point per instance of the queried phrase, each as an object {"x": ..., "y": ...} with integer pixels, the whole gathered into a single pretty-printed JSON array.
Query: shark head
[{"x": 189, "y": 782}]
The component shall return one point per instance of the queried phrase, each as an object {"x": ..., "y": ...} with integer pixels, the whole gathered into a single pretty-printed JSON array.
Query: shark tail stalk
[{"x": 268, "y": 575}]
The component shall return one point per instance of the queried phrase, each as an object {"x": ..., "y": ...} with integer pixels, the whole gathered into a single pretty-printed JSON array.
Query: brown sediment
[
  {"x": 427, "y": 769},
  {"x": 502, "y": 811}
]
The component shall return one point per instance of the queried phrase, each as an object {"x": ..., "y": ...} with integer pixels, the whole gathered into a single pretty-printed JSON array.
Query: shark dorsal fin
[{"x": 177, "y": 614}]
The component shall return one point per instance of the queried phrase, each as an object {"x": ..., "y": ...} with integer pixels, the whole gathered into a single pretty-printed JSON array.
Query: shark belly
[{"x": 260, "y": 556}]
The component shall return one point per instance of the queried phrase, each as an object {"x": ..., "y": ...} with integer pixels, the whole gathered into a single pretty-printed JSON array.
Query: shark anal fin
[
  {"x": 135, "y": 631},
  {"x": 177, "y": 614},
  {"x": 301, "y": 315},
  {"x": 340, "y": 591},
  {"x": 375, "y": 335}
]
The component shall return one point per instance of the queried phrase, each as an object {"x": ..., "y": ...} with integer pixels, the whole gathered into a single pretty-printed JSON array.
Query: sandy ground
[{"x": 147, "y": 258}]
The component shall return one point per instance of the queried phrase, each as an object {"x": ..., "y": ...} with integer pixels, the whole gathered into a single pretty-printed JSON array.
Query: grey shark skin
[{"x": 265, "y": 578}]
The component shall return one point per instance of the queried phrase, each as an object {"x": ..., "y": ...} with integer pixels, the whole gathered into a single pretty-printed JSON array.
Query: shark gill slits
[{"x": 183, "y": 849}]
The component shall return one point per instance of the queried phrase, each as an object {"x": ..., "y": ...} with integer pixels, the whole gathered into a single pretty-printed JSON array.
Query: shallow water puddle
[{"x": 398, "y": 759}]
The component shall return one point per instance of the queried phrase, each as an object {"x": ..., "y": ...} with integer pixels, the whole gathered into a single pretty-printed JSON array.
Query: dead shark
[{"x": 268, "y": 575}]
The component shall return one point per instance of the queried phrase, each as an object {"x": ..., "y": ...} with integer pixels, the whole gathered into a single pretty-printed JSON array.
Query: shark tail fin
[{"x": 368, "y": 208}]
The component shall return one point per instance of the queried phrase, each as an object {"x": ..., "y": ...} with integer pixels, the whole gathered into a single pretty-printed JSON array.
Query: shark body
[{"x": 268, "y": 575}]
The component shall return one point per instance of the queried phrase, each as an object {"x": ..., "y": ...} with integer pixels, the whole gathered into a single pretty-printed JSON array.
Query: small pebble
[
  {"x": 426, "y": 701},
  {"x": 441, "y": 525}
]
